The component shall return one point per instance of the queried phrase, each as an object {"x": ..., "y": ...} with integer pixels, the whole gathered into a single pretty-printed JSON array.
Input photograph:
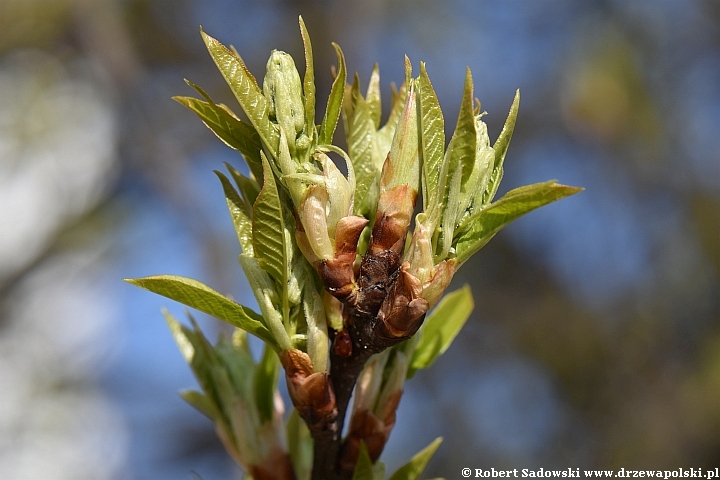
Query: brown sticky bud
[
  {"x": 338, "y": 278},
  {"x": 342, "y": 345},
  {"x": 337, "y": 273},
  {"x": 367, "y": 427},
  {"x": 310, "y": 392},
  {"x": 395, "y": 209},
  {"x": 277, "y": 466},
  {"x": 347, "y": 234},
  {"x": 403, "y": 310}
]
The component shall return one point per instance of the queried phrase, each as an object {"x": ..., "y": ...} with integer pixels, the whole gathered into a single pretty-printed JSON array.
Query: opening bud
[
  {"x": 283, "y": 89},
  {"x": 310, "y": 392}
]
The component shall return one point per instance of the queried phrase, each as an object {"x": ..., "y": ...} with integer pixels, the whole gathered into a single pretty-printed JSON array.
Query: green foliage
[
  {"x": 414, "y": 468},
  {"x": 440, "y": 328},
  {"x": 239, "y": 214},
  {"x": 296, "y": 220},
  {"x": 332, "y": 112},
  {"x": 201, "y": 297},
  {"x": 268, "y": 225},
  {"x": 479, "y": 228},
  {"x": 246, "y": 91},
  {"x": 237, "y": 394},
  {"x": 300, "y": 446},
  {"x": 365, "y": 469},
  {"x": 234, "y": 132}
]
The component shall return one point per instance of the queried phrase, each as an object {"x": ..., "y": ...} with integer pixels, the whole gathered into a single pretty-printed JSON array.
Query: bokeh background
[{"x": 595, "y": 341}]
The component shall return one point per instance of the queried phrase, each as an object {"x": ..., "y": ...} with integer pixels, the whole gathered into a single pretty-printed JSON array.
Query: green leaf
[
  {"x": 300, "y": 446},
  {"x": 226, "y": 126},
  {"x": 201, "y": 297},
  {"x": 500, "y": 147},
  {"x": 181, "y": 335},
  {"x": 360, "y": 143},
  {"x": 432, "y": 140},
  {"x": 335, "y": 100},
  {"x": 414, "y": 468},
  {"x": 308, "y": 82},
  {"x": 440, "y": 328},
  {"x": 246, "y": 90},
  {"x": 479, "y": 228},
  {"x": 269, "y": 229},
  {"x": 265, "y": 382},
  {"x": 403, "y": 156},
  {"x": 373, "y": 96},
  {"x": 201, "y": 403},
  {"x": 248, "y": 187},
  {"x": 239, "y": 214},
  {"x": 364, "y": 468},
  {"x": 458, "y": 164},
  {"x": 387, "y": 132}
]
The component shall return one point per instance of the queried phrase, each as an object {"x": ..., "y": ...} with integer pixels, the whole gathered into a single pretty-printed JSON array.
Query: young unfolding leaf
[
  {"x": 248, "y": 187},
  {"x": 387, "y": 132},
  {"x": 457, "y": 166},
  {"x": 365, "y": 470},
  {"x": 308, "y": 82},
  {"x": 226, "y": 126},
  {"x": 360, "y": 149},
  {"x": 500, "y": 146},
  {"x": 239, "y": 214},
  {"x": 271, "y": 304},
  {"x": 269, "y": 230},
  {"x": 414, "y": 468},
  {"x": 440, "y": 328},
  {"x": 246, "y": 90},
  {"x": 201, "y": 297},
  {"x": 401, "y": 167},
  {"x": 372, "y": 97},
  {"x": 432, "y": 141},
  {"x": 478, "y": 229},
  {"x": 201, "y": 402},
  {"x": 300, "y": 446},
  {"x": 265, "y": 383},
  {"x": 332, "y": 113}
]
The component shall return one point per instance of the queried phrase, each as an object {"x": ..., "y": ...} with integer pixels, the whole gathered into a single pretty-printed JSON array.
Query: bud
[
  {"x": 375, "y": 407},
  {"x": 310, "y": 392},
  {"x": 338, "y": 190},
  {"x": 283, "y": 89},
  {"x": 403, "y": 310},
  {"x": 314, "y": 221},
  {"x": 420, "y": 253},
  {"x": 439, "y": 280},
  {"x": 395, "y": 208},
  {"x": 337, "y": 273}
]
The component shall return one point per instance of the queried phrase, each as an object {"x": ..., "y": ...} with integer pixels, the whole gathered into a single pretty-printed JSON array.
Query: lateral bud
[
  {"x": 337, "y": 273},
  {"x": 378, "y": 394},
  {"x": 394, "y": 212},
  {"x": 403, "y": 310},
  {"x": 311, "y": 393},
  {"x": 440, "y": 277}
]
